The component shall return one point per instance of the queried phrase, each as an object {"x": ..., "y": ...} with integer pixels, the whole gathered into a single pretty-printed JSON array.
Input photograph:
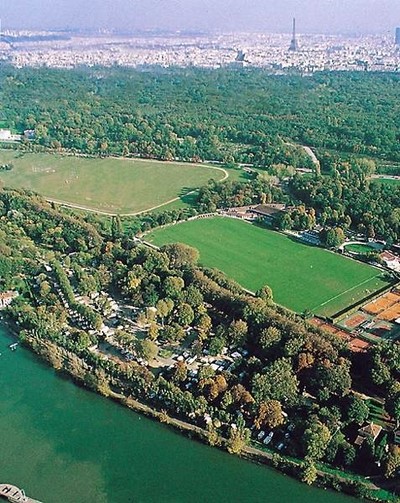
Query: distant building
[{"x": 397, "y": 40}]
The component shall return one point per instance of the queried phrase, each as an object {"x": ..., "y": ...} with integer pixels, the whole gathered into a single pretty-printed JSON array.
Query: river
[{"x": 64, "y": 444}]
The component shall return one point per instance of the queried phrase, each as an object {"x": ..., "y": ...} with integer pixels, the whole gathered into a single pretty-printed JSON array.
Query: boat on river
[{"x": 13, "y": 494}]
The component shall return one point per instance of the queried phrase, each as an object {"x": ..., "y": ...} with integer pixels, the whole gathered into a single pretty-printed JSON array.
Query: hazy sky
[{"x": 321, "y": 16}]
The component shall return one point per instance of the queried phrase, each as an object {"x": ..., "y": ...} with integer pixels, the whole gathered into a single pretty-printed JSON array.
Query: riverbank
[
  {"x": 326, "y": 477},
  {"x": 65, "y": 444}
]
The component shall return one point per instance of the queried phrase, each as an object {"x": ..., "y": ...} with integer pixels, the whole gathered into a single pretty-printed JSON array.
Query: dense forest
[{"x": 227, "y": 115}]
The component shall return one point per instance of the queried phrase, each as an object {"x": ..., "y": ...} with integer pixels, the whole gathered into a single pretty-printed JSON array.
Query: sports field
[
  {"x": 107, "y": 185},
  {"x": 301, "y": 276}
]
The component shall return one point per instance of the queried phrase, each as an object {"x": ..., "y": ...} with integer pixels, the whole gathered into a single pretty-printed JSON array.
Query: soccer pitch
[
  {"x": 109, "y": 185},
  {"x": 301, "y": 276}
]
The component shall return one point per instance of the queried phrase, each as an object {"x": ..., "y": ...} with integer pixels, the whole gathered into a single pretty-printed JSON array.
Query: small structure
[
  {"x": 370, "y": 430},
  {"x": 6, "y": 298}
]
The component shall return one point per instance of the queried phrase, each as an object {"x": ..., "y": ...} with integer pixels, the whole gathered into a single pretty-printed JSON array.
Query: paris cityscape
[{"x": 312, "y": 52}]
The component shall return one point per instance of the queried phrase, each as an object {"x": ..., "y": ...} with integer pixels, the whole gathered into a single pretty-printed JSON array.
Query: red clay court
[
  {"x": 355, "y": 320},
  {"x": 383, "y": 303}
]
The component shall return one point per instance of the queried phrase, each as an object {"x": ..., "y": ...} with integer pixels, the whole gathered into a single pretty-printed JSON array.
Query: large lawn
[
  {"x": 109, "y": 185},
  {"x": 301, "y": 276}
]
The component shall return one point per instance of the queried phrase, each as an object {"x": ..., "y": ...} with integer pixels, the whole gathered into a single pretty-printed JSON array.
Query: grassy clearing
[
  {"x": 109, "y": 185},
  {"x": 301, "y": 276}
]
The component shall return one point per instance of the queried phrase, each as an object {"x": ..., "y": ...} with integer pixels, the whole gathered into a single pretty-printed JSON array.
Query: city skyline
[{"x": 313, "y": 16}]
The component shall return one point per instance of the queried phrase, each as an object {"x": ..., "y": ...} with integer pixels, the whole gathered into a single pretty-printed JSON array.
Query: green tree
[
  {"x": 392, "y": 465},
  {"x": 277, "y": 382},
  {"x": 315, "y": 440},
  {"x": 184, "y": 314},
  {"x": 146, "y": 349},
  {"x": 357, "y": 410}
]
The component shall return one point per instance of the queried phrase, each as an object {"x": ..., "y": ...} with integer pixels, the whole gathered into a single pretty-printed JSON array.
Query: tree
[
  {"x": 238, "y": 438},
  {"x": 277, "y": 382},
  {"x": 184, "y": 315},
  {"x": 268, "y": 337},
  {"x": 181, "y": 255},
  {"x": 331, "y": 379},
  {"x": 265, "y": 293},
  {"x": 237, "y": 332},
  {"x": 240, "y": 395},
  {"x": 283, "y": 221},
  {"x": 216, "y": 345},
  {"x": 204, "y": 326},
  {"x": 173, "y": 286},
  {"x": 392, "y": 465},
  {"x": 153, "y": 331},
  {"x": 146, "y": 349},
  {"x": 116, "y": 227},
  {"x": 193, "y": 296},
  {"x": 179, "y": 372},
  {"x": 173, "y": 333},
  {"x": 357, "y": 410},
  {"x": 315, "y": 441},
  {"x": 334, "y": 237},
  {"x": 309, "y": 473},
  {"x": 392, "y": 404},
  {"x": 269, "y": 415},
  {"x": 164, "y": 308}
]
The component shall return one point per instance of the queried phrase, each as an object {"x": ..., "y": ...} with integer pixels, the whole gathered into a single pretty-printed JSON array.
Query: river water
[{"x": 64, "y": 444}]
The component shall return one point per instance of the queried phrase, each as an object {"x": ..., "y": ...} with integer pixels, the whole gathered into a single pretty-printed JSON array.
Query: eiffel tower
[{"x": 294, "y": 46}]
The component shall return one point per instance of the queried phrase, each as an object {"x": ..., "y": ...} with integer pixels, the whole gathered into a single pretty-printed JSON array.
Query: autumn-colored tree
[
  {"x": 179, "y": 372},
  {"x": 269, "y": 415}
]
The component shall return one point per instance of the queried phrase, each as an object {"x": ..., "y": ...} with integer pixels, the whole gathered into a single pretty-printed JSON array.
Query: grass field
[
  {"x": 108, "y": 185},
  {"x": 361, "y": 248},
  {"x": 301, "y": 276}
]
